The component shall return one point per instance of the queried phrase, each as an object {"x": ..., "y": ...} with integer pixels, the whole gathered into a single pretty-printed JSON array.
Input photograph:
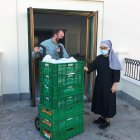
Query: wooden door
[
  {"x": 31, "y": 60},
  {"x": 91, "y": 50}
]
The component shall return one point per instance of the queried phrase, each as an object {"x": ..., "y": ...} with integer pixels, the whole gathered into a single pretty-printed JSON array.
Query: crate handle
[
  {"x": 47, "y": 65},
  {"x": 47, "y": 134},
  {"x": 46, "y": 87},
  {"x": 69, "y": 129},
  {"x": 70, "y": 74},
  {"x": 69, "y": 97},
  {"x": 47, "y": 76},
  {"x": 47, "y": 98},
  {"x": 70, "y": 87},
  {"x": 47, "y": 112},
  {"x": 70, "y": 107},
  {"x": 43, "y": 121},
  {"x": 70, "y": 65},
  {"x": 69, "y": 119}
]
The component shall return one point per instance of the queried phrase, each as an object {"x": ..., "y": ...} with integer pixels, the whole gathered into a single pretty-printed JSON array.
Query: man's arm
[
  {"x": 65, "y": 54},
  {"x": 36, "y": 51}
]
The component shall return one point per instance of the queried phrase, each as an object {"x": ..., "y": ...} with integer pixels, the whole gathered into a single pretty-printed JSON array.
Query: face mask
[
  {"x": 104, "y": 52},
  {"x": 59, "y": 41}
]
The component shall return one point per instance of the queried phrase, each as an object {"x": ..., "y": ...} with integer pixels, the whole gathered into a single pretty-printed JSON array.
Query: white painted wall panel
[
  {"x": 8, "y": 47},
  {"x": 121, "y": 25},
  {"x": 118, "y": 20},
  {"x": 23, "y": 30}
]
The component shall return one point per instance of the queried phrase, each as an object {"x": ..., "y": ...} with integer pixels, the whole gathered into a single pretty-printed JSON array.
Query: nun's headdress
[{"x": 113, "y": 59}]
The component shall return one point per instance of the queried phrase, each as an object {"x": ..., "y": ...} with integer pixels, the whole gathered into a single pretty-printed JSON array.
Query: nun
[{"x": 108, "y": 69}]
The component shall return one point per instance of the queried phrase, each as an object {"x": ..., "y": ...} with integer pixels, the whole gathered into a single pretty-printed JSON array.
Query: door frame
[
  {"x": 91, "y": 52},
  {"x": 31, "y": 11}
]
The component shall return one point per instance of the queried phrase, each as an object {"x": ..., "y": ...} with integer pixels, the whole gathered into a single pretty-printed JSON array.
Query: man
[{"x": 53, "y": 47}]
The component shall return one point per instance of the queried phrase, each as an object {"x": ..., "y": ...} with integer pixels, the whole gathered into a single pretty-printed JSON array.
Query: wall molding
[
  {"x": 14, "y": 97},
  {"x": 0, "y": 74}
]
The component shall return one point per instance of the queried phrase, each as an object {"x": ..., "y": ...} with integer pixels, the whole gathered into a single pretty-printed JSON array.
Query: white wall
[
  {"x": 118, "y": 20},
  {"x": 14, "y": 38},
  {"x": 121, "y": 25},
  {"x": 0, "y": 74},
  {"x": 131, "y": 87},
  {"x": 8, "y": 46},
  {"x": 23, "y": 30}
]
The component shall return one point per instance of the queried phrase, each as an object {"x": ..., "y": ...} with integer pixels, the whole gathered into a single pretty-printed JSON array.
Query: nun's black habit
[
  {"x": 108, "y": 72},
  {"x": 104, "y": 101}
]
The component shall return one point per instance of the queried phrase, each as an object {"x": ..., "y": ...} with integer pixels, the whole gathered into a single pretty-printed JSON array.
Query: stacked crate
[{"x": 61, "y": 100}]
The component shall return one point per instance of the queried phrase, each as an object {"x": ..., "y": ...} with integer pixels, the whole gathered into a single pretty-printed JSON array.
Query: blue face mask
[{"x": 104, "y": 52}]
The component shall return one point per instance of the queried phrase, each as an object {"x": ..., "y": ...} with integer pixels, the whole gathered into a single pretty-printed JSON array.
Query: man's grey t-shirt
[{"x": 51, "y": 48}]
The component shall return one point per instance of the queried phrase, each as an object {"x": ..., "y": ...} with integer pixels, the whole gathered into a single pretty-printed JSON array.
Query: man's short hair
[{"x": 56, "y": 31}]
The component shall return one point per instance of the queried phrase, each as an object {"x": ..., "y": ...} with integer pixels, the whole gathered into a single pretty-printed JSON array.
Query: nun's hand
[
  {"x": 86, "y": 68},
  {"x": 114, "y": 88}
]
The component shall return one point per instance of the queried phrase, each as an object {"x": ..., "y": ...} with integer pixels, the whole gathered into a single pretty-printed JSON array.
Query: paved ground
[{"x": 17, "y": 123}]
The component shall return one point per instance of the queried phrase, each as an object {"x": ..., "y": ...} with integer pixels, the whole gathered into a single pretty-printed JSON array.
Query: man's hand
[
  {"x": 36, "y": 49},
  {"x": 114, "y": 88}
]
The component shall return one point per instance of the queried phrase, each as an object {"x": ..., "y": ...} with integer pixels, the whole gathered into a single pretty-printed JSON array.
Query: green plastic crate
[
  {"x": 58, "y": 114},
  {"x": 61, "y": 91},
  {"x": 62, "y": 134},
  {"x": 61, "y": 69},
  {"x": 56, "y": 103},
  {"x": 64, "y": 80},
  {"x": 62, "y": 124}
]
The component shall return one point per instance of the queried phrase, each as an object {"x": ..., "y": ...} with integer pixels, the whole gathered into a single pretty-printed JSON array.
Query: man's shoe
[
  {"x": 99, "y": 120},
  {"x": 104, "y": 125}
]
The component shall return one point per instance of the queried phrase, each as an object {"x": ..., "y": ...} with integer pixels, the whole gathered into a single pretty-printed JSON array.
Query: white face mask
[{"x": 104, "y": 52}]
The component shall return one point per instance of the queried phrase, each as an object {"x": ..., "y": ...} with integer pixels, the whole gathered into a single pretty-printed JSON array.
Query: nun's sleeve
[
  {"x": 92, "y": 66},
  {"x": 116, "y": 76}
]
